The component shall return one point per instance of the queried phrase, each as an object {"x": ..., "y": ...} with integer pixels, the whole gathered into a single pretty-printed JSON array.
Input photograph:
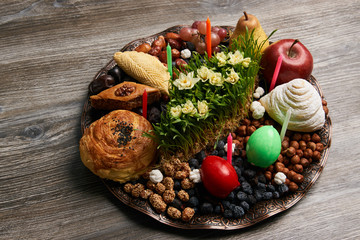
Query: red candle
[
  {"x": 276, "y": 73},
  {"x": 144, "y": 106},
  {"x": 208, "y": 37},
  {"x": 229, "y": 148}
]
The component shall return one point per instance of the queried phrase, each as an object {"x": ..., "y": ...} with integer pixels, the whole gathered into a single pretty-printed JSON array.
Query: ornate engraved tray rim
[{"x": 259, "y": 212}]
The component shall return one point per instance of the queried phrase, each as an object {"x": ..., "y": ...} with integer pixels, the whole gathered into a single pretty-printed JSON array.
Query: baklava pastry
[{"x": 126, "y": 95}]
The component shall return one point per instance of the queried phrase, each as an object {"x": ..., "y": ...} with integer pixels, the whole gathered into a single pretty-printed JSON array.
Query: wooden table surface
[{"x": 50, "y": 51}]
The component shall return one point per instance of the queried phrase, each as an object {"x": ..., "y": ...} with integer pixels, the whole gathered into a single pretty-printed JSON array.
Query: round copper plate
[{"x": 257, "y": 213}]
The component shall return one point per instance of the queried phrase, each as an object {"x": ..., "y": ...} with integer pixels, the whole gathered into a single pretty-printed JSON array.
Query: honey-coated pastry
[
  {"x": 145, "y": 68},
  {"x": 126, "y": 95},
  {"x": 114, "y": 147},
  {"x": 307, "y": 113}
]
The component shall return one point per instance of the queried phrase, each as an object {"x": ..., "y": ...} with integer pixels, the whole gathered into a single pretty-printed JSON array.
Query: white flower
[
  {"x": 203, "y": 73},
  {"x": 233, "y": 77},
  {"x": 279, "y": 178},
  {"x": 186, "y": 81},
  {"x": 195, "y": 176},
  {"x": 222, "y": 58},
  {"x": 246, "y": 62},
  {"x": 176, "y": 111},
  {"x": 203, "y": 107},
  {"x": 188, "y": 108},
  {"x": 258, "y": 112},
  {"x": 185, "y": 53},
  {"x": 156, "y": 176},
  {"x": 235, "y": 58},
  {"x": 215, "y": 78}
]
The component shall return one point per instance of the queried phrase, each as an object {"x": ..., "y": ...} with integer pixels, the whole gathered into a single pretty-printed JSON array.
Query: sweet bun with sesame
[{"x": 114, "y": 147}]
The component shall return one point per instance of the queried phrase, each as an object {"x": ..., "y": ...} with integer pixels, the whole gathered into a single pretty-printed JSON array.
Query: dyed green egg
[{"x": 263, "y": 146}]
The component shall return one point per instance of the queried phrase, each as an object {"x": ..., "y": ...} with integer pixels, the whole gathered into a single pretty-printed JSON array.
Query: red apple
[
  {"x": 218, "y": 176},
  {"x": 297, "y": 61}
]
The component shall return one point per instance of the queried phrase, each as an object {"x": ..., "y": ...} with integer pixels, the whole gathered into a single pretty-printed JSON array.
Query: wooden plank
[{"x": 50, "y": 51}]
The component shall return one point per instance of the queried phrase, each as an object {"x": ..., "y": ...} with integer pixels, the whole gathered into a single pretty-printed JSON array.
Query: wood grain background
[{"x": 51, "y": 49}]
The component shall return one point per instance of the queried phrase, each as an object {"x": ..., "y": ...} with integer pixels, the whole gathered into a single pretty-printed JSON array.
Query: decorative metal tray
[{"x": 257, "y": 213}]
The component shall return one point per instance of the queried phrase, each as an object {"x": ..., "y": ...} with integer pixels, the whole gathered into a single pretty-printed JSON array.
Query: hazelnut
[
  {"x": 311, "y": 145},
  {"x": 285, "y": 144},
  {"x": 308, "y": 153},
  {"x": 299, "y": 152},
  {"x": 296, "y": 137},
  {"x": 316, "y": 156},
  {"x": 298, "y": 178},
  {"x": 286, "y": 161},
  {"x": 324, "y": 102},
  {"x": 233, "y": 135},
  {"x": 298, "y": 168},
  {"x": 280, "y": 158},
  {"x": 310, "y": 160},
  {"x": 250, "y": 130},
  {"x": 285, "y": 171},
  {"x": 295, "y": 159},
  {"x": 268, "y": 175},
  {"x": 256, "y": 123},
  {"x": 302, "y": 145},
  {"x": 269, "y": 122},
  {"x": 286, "y": 138},
  {"x": 315, "y": 138},
  {"x": 287, "y": 181},
  {"x": 241, "y": 131},
  {"x": 279, "y": 166},
  {"x": 294, "y": 144},
  {"x": 304, "y": 162},
  {"x": 319, "y": 147},
  {"x": 290, "y": 151},
  {"x": 326, "y": 110},
  {"x": 246, "y": 139},
  {"x": 306, "y": 137},
  {"x": 293, "y": 187},
  {"x": 291, "y": 174},
  {"x": 246, "y": 122},
  {"x": 290, "y": 167}
]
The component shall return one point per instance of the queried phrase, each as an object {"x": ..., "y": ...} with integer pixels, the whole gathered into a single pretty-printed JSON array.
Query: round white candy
[{"x": 156, "y": 176}]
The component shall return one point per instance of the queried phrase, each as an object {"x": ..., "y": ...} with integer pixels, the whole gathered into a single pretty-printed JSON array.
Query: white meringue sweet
[
  {"x": 307, "y": 112},
  {"x": 156, "y": 176}
]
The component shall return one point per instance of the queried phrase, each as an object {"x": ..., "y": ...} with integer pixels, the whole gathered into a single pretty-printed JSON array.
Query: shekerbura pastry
[
  {"x": 114, "y": 147},
  {"x": 126, "y": 95},
  {"x": 307, "y": 113},
  {"x": 145, "y": 68}
]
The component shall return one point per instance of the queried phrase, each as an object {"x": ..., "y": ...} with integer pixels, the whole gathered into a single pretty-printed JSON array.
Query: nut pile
[
  {"x": 180, "y": 198},
  {"x": 171, "y": 194}
]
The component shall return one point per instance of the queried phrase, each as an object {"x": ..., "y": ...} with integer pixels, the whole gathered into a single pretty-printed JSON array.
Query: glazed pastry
[
  {"x": 114, "y": 147},
  {"x": 307, "y": 111},
  {"x": 145, "y": 68},
  {"x": 126, "y": 95}
]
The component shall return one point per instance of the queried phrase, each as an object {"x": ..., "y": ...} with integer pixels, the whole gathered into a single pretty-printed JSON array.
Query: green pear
[{"x": 250, "y": 22}]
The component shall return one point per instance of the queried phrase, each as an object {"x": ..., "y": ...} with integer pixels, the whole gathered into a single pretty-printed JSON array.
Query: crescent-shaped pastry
[
  {"x": 126, "y": 95},
  {"x": 114, "y": 147},
  {"x": 145, "y": 68},
  {"x": 307, "y": 112}
]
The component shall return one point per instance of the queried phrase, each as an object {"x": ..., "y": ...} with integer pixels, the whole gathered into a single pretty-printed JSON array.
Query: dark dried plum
[{"x": 101, "y": 83}]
